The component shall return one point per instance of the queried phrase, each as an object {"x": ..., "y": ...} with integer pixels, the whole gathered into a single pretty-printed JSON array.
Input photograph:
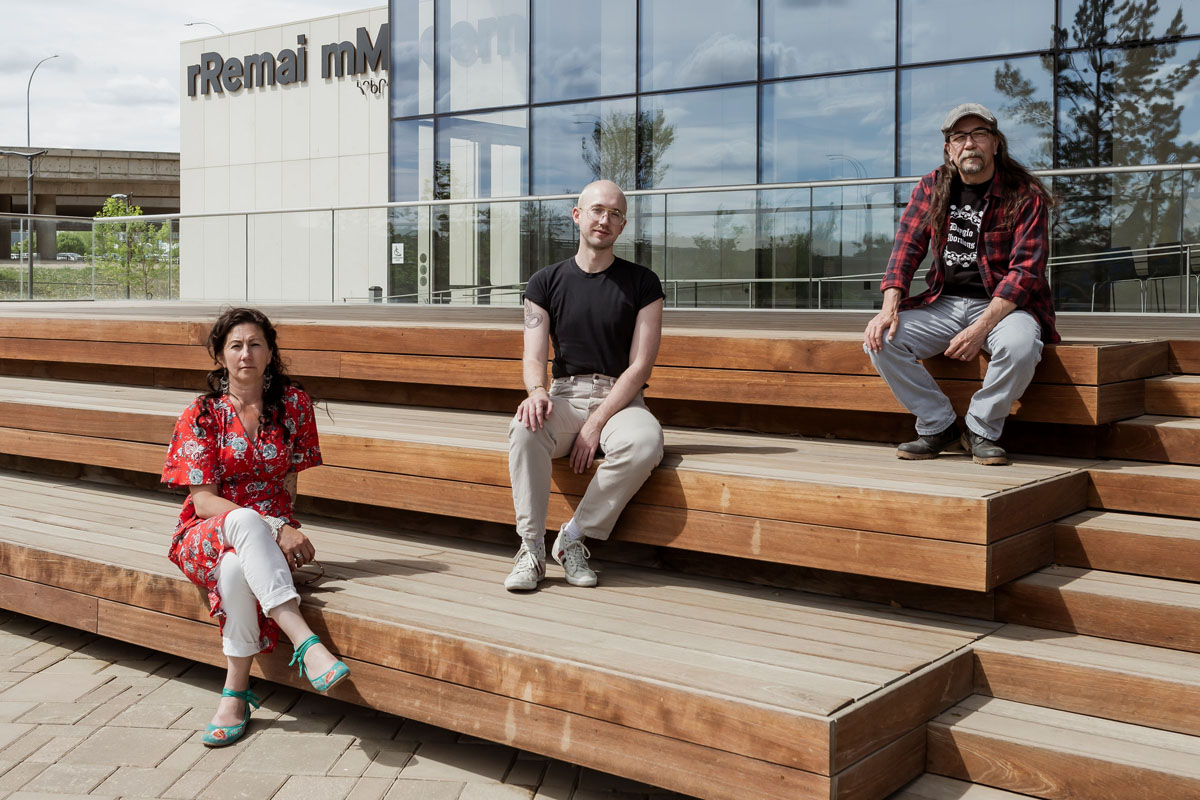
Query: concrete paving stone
[
  {"x": 69, "y": 778},
  {"x": 185, "y": 756},
  {"x": 112, "y": 650},
  {"x": 20, "y": 740},
  {"x": 11, "y": 709},
  {"x": 127, "y": 747},
  {"x": 424, "y": 790},
  {"x": 53, "y": 750},
  {"x": 390, "y": 756},
  {"x": 139, "y": 781},
  {"x": 59, "y": 713},
  {"x": 198, "y": 717},
  {"x": 423, "y": 732},
  {"x": 105, "y": 713},
  {"x": 188, "y": 690},
  {"x": 370, "y": 789},
  {"x": 299, "y": 754},
  {"x": 243, "y": 786},
  {"x": 218, "y": 759},
  {"x": 47, "y": 659},
  {"x": 109, "y": 691},
  {"x": 558, "y": 782},
  {"x": 56, "y": 796},
  {"x": 315, "y": 787},
  {"x": 366, "y": 725},
  {"x": 354, "y": 762},
  {"x": 173, "y": 667},
  {"x": 449, "y": 761},
  {"x": 77, "y": 730},
  {"x": 147, "y": 715},
  {"x": 276, "y": 698},
  {"x": 311, "y": 724},
  {"x": 76, "y": 664},
  {"x": 54, "y": 688},
  {"x": 526, "y": 772},
  {"x": 496, "y": 791},
  {"x": 190, "y": 785},
  {"x": 20, "y": 775},
  {"x": 139, "y": 668},
  {"x": 603, "y": 782}
]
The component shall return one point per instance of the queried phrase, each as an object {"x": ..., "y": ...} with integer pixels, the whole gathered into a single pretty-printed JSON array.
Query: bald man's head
[{"x": 604, "y": 193}]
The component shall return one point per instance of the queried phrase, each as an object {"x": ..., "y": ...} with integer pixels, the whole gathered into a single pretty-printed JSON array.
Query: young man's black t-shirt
[
  {"x": 592, "y": 314},
  {"x": 961, "y": 255}
]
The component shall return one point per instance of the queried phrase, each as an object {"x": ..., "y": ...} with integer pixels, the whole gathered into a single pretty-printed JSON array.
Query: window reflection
[
  {"x": 697, "y": 138},
  {"x": 583, "y": 50},
  {"x": 827, "y": 128},
  {"x": 482, "y": 54},
  {"x": 411, "y": 73},
  {"x": 698, "y": 43},
  {"x": 1134, "y": 21},
  {"x": 578, "y": 143},
  {"x": 412, "y": 160},
  {"x": 1018, "y": 91},
  {"x": 710, "y": 250},
  {"x": 802, "y": 37},
  {"x": 938, "y": 30}
]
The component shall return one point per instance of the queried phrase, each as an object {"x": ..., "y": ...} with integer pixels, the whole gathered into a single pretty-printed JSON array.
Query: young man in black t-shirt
[{"x": 604, "y": 315}]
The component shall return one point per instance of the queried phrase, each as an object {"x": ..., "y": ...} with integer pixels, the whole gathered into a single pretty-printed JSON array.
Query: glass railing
[
  {"x": 1121, "y": 239},
  {"x": 78, "y": 258}
]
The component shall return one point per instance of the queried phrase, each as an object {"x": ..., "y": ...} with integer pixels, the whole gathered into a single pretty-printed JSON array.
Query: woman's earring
[{"x": 224, "y": 383}]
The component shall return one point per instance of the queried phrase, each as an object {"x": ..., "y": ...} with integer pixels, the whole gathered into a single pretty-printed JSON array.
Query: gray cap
[{"x": 967, "y": 110}]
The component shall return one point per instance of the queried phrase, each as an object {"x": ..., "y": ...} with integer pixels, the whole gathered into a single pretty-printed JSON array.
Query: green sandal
[
  {"x": 331, "y": 677},
  {"x": 221, "y": 735}
]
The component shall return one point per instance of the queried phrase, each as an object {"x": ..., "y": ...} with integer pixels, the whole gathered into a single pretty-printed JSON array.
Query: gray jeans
[
  {"x": 1014, "y": 345},
  {"x": 632, "y": 441}
]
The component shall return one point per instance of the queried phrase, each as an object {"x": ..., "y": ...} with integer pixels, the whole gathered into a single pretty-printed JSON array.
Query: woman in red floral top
[{"x": 238, "y": 450}]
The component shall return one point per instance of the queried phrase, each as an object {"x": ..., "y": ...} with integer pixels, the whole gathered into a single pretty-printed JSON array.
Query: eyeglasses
[
  {"x": 979, "y": 136},
  {"x": 307, "y": 577},
  {"x": 597, "y": 214}
]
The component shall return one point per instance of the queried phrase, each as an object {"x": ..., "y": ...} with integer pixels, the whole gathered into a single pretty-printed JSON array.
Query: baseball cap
[{"x": 967, "y": 110}]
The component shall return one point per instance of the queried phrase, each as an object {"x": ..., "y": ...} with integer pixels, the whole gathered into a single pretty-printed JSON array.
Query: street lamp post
[
  {"x": 26, "y": 225},
  {"x": 127, "y": 201}
]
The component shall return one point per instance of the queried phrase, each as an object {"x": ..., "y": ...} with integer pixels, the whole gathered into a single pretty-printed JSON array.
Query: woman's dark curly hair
[{"x": 279, "y": 380}]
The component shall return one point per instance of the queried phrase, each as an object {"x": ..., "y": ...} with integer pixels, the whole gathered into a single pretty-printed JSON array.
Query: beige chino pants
[{"x": 632, "y": 441}]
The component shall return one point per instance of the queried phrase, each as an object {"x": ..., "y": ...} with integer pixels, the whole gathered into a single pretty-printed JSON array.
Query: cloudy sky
[{"x": 115, "y": 85}]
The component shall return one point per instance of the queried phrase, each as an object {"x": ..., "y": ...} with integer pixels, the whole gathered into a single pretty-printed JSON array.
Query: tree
[
  {"x": 74, "y": 242},
  {"x": 612, "y": 151},
  {"x": 136, "y": 254}
]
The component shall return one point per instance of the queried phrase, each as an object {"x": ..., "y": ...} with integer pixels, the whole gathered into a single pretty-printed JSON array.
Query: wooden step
[
  {"x": 1173, "y": 395},
  {"x": 1168, "y": 440},
  {"x": 1129, "y": 608},
  {"x": 783, "y": 694},
  {"x": 1058, "y": 755},
  {"x": 1151, "y": 686},
  {"x": 1170, "y": 490},
  {"x": 939, "y": 787},
  {"x": 1139, "y": 544},
  {"x": 824, "y": 504}
]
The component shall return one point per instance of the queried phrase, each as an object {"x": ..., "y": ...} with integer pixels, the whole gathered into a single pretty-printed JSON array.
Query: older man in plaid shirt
[{"x": 987, "y": 290}]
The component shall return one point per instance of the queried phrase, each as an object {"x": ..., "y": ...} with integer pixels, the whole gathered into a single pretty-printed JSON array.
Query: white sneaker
[
  {"x": 573, "y": 556},
  {"x": 528, "y": 570}
]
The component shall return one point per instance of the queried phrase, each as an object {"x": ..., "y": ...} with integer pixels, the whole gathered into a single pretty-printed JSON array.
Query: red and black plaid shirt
[{"x": 1013, "y": 259}]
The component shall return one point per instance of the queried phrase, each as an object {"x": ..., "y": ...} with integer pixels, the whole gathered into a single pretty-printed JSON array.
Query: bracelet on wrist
[
  {"x": 276, "y": 524},
  {"x": 529, "y": 390}
]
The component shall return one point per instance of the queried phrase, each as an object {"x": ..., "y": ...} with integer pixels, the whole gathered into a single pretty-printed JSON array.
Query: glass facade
[{"x": 496, "y": 99}]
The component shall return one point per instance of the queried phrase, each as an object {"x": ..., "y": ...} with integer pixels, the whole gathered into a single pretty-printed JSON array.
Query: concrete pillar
[{"x": 47, "y": 240}]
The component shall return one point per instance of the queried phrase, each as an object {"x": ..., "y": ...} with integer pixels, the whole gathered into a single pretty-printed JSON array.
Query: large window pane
[
  {"x": 711, "y": 250},
  {"x": 1097, "y": 21},
  {"x": 937, "y": 30},
  {"x": 800, "y": 37},
  {"x": 583, "y": 50},
  {"x": 1017, "y": 91},
  {"x": 482, "y": 54},
  {"x": 412, "y": 160},
  {"x": 827, "y": 128},
  {"x": 698, "y": 138},
  {"x": 411, "y": 72},
  {"x": 1138, "y": 107},
  {"x": 581, "y": 142},
  {"x": 698, "y": 43}
]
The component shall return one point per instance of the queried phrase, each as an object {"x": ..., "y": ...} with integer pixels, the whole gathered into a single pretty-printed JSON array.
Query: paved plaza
[{"x": 84, "y": 716}]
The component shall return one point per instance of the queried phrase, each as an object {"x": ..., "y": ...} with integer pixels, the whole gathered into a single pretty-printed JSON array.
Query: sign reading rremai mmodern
[{"x": 217, "y": 74}]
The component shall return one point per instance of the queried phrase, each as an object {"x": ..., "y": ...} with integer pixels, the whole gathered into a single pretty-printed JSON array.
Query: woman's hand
[{"x": 296, "y": 547}]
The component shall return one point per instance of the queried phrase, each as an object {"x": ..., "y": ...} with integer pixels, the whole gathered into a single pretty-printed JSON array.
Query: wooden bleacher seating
[{"x": 718, "y": 688}]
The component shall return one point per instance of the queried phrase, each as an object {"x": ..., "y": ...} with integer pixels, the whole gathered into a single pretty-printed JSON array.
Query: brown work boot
[
  {"x": 983, "y": 451},
  {"x": 930, "y": 445}
]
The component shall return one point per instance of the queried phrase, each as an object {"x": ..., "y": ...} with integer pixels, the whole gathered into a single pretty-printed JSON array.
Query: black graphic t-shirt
[
  {"x": 961, "y": 255},
  {"x": 592, "y": 315}
]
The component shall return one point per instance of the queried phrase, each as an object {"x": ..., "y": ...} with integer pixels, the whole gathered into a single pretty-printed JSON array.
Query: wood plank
[
  {"x": 1147, "y": 611},
  {"x": 1099, "y": 677},
  {"x": 1161, "y": 489},
  {"x": 1171, "y": 440},
  {"x": 1184, "y": 356},
  {"x": 895, "y": 710},
  {"x": 703, "y": 772},
  {"x": 1060, "y": 756},
  {"x": 48, "y": 602},
  {"x": 884, "y": 771},
  {"x": 1141, "y": 545},
  {"x": 1173, "y": 395}
]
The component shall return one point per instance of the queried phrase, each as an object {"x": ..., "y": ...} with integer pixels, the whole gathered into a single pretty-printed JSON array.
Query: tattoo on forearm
[{"x": 532, "y": 318}]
